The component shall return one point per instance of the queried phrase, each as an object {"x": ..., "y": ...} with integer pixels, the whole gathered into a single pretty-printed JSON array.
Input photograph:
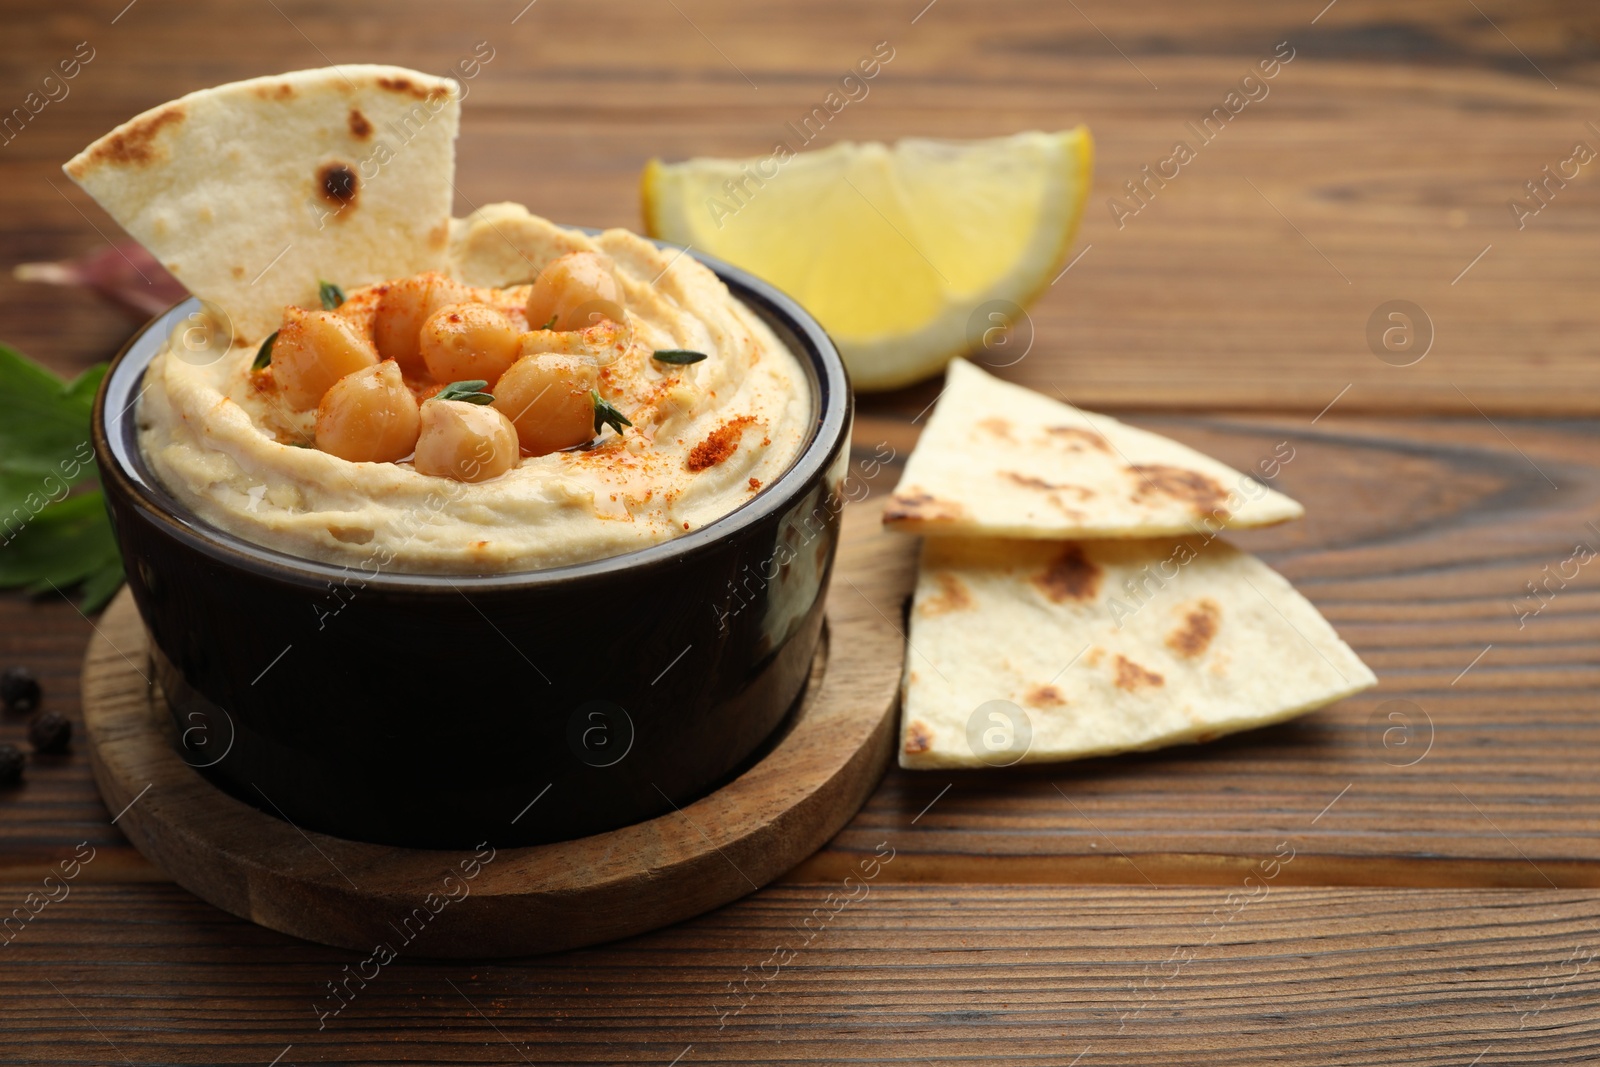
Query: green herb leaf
[
  {"x": 680, "y": 357},
  {"x": 66, "y": 543},
  {"x": 332, "y": 296},
  {"x": 264, "y": 353},
  {"x": 63, "y": 545},
  {"x": 467, "y": 392},
  {"x": 49, "y": 538},
  {"x": 45, "y": 422},
  {"x": 82, "y": 389},
  {"x": 551, "y": 324},
  {"x": 605, "y": 414},
  {"x": 44, "y": 437}
]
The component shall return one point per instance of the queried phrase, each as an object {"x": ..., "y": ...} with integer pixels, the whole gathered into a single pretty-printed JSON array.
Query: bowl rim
[{"x": 121, "y": 461}]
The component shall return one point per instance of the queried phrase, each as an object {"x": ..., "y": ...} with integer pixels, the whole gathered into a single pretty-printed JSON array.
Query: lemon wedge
[{"x": 902, "y": 252}]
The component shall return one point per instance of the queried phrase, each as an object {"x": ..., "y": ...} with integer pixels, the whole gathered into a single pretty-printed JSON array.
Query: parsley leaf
[
  {"x": 48, "y": 538},
  {"x": 467, "y": 392},
  {"x": 605, "y": 414},
  {"x": 67, "y": 543},
  {"x": 45, "y": 420},
  {"x": 332, "y": 296},
  {"x": 264, "y": 353},
  {"x": 677, "y": 356}
]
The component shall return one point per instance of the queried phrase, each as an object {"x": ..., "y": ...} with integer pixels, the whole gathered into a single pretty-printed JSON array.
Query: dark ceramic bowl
[{"x": 442, "y": 711}]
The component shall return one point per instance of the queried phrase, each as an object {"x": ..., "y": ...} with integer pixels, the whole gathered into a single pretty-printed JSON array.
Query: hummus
[{"x": 702, "y": 438}]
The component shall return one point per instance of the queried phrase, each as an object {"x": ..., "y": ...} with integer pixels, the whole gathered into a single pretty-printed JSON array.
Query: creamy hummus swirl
[{"x": 706, "y": 437}]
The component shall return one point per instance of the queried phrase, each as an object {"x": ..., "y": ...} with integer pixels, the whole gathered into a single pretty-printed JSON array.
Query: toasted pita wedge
[
  {"x": 249, "y": 193},
  {"x": 1038, "y": 651},
  {"x": 998, "y": 460}
]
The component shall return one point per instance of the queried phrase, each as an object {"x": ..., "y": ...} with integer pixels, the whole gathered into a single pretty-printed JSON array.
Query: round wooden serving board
[{"x": 524, "y": 900}]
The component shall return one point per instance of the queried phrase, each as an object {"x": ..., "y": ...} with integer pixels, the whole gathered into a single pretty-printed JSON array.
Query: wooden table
[{"x": 1442, "y": 905}]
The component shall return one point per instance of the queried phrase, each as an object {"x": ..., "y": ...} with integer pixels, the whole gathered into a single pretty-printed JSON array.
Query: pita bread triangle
[
  {"x": 1035, "y": 651},
  {"x": 251, "y": 192},
  {"x": 999, "y": 460}
]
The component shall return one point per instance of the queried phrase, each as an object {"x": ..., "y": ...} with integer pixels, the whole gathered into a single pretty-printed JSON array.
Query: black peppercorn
[
  {"x": 50, "y": 731},
  {"x": 10, "y": 765},
  {"x": 19, "y": 689}
]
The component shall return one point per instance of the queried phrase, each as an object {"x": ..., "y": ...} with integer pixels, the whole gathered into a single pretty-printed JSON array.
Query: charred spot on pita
[
  {"x": 408, "y": 87},
  {"x": 1044, "y": 696},
  {"x": 1197, "y": 490},
  {"x": 136, "y": 144},
  {"x": 1076, "y": 438},
  {"x": 1028, "y": 481},
  {"x": 1199, "y": 626},
  {"x": 997, "y": 426},
  {"x": 1132, "y": 677},
  {"x": 921, "y": 507},
  {"x": 953, "y": 595},
  {"x": 278, "y": 90},
  {"x": 918, "y": 738},
  {"x": 1070, "y": 576},
  {"x": 360, "y": 128},
  {"x": 337, "y": 184}
]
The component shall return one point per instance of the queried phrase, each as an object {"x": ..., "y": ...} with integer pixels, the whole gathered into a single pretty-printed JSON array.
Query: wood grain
[
  {"x": 1385, "y": 155},
  {"x": 905, "y": 974},
  {"x": 829, "y": 757},
  {"x": 1419, "y": 541},
  {"x": 1379, "y": 165}
]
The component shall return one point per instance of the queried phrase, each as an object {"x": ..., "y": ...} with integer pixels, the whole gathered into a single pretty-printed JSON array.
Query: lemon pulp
[{"x": 894, "y": 249}]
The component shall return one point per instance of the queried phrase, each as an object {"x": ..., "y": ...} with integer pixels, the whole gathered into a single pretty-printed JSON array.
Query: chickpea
[
  {"x": 402, "y": 310},
  {"x": 369, "y": 416},
  {"x": 546, "y": 397},
  {"x": 314, "y": 349},
  {"x": 467, "y": 442},
  {"x": 574, "y": 290},
  {"x": 462, "y": 342}
]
